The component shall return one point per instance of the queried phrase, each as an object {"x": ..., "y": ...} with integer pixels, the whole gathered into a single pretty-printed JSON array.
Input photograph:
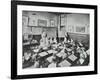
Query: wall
[
  {"x": 77, "y": 25},
  {"x": 32, "y": 25},
  {"x": 40, "y": 15},
  {"x": 77, "y": 21}
]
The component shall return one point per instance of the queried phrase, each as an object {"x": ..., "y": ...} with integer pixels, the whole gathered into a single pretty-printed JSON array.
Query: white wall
[
  {"x": 73, "y": 21},
  {"x": 40, "y": 15},
  {"x": 77, "y": 20},
  {"x": 5, "y": 30},
  {"x": 77, "y": 25},
  {"x": 32, "y": 20}
]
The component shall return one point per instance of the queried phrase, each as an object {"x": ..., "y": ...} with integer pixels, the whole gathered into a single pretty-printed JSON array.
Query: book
[{"x": 64, "y": 63}]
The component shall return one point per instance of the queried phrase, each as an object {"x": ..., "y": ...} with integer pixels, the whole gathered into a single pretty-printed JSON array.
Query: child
[
  {"x": 54, "y": 41},
  {"x": 27, "y": 59}
]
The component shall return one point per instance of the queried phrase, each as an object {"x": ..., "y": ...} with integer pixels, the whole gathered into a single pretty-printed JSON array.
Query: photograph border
[{"x": 14, "y": 39}]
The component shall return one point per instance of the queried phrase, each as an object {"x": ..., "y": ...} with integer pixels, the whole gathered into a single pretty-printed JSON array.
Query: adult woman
[
  {"x": 67, "y": 38},
  {"x": 44, "y": 43}
]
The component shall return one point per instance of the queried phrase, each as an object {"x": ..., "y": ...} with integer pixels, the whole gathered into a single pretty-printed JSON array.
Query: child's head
[
  {"x": 82, "y": 56},
  {"x": 27, "y": 55},
  {"x": 54, "y": 59},
  {"x": 49, "y": 38},
  {"x": 30, "y": 37},
  {"x": 53, "y": 38}
]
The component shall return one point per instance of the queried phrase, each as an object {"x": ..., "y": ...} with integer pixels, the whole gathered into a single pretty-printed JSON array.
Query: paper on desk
[
  {"x": 88, "y": 52},
  {"x": 54, "y": 51},
  {"x": 52, "y": 65},
  {"x": 59, "y": 54},
  {"x": 50, "y": 51},
  {"x": 50, "y": 59},
  {"x": 34, "y": 56},
  {"x": 43, "y": 54},
  {"x": 64, "y": 63},
  {"x": 27, "y": 43},
  {"x": 44, "y": 48},
  {"x": 36, "y": 50},
  {"x": 64, "y": 55},
  {"x": 81, "y": 61},
  {"x": 35, "y": 65},
  {"x": 61, "y": 47},
  {"x": 68, "y": 49},
  {"x": 72, "y": 57},
  {"x": 55, "y": 45}
]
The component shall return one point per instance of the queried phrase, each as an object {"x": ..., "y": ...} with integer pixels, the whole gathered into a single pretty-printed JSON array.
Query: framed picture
[
  {"x": 42, "y": 23},
  {"x": 72, "y": 51},
  {"x": 80, "y": 29},
  {"x": 32, "y": 22},
  {"x": 52, "y": 23},
  {"x": 25, "y": 20}
]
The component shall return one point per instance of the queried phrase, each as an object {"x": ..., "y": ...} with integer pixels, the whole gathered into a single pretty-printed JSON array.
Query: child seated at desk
[
  {"x": 27, "y": 59},
  {"x": 32, "y": 40},
  {"x": 84, "y": 58},
  {"x": 53, "y": 40}
]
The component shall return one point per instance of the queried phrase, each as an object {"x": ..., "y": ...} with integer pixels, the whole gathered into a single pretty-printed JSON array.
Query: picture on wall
[
  {"x": 52, "y": 23},
  {"x": 53, "y": 39},
  {"x": 32, "y": 22},
  {"x": 42, "y": 22},
  {"x": 80, "y": 29},
  {"x": 71, "y": 28},
  {"x": 25, "y": 21}
]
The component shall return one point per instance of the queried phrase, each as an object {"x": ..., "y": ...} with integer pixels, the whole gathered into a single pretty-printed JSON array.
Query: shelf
[{"x": 42, "y": 27}]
